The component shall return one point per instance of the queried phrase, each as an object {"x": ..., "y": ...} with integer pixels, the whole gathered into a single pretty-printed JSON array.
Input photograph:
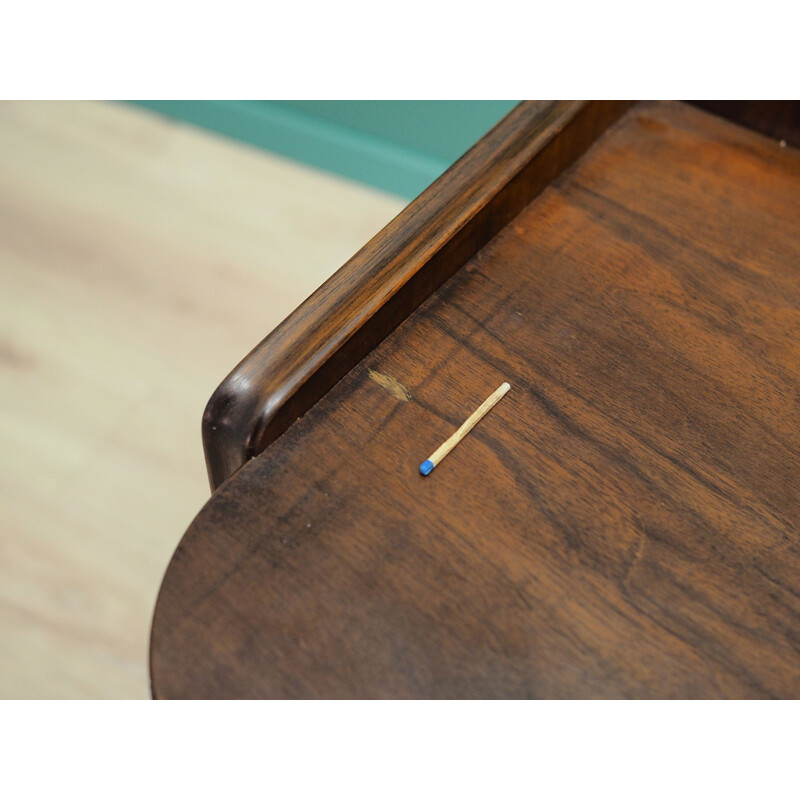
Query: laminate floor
[{"x": 140, "y": 259}]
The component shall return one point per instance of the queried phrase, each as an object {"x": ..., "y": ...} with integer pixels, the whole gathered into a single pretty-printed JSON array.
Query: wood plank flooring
[{"x": 139, "y": 261}]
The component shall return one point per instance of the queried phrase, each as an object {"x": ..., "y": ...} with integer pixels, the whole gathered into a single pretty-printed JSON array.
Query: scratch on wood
[
  {"x": 393, "y": 386},
  {"x": 637, "y": 557}
]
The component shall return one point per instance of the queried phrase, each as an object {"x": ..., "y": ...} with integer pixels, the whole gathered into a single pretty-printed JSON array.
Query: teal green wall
[{"x": 398, "y": 146}]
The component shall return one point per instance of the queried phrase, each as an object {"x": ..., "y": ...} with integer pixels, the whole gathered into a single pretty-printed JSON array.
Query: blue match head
[{"x": 426, "y": 467}]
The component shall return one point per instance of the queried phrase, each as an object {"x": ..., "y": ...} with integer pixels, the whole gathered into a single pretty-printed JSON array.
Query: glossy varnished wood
[
  {"x": 375, "y": 290},
  {"x": 623, "y": 524}
]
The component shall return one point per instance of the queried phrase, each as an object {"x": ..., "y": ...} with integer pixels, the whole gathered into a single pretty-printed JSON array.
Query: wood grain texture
[
  {"x": 623, "y": 524},
  {"x": 377, "y": 289}
]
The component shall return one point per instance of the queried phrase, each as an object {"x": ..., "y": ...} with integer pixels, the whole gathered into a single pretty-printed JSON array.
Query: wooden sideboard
[{"x": 624, "y": 523}]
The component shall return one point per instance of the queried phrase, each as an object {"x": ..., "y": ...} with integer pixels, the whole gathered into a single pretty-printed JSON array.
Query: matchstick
[{"x": 426, "y": 467}]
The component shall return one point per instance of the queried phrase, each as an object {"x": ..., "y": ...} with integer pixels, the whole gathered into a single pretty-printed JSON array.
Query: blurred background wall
[
  {"x": 140, "y": 259},
  {"x": 398, "y": 146}
]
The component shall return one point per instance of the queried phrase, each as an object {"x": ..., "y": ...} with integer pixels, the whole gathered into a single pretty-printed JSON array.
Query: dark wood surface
[
  {"x": 624, "y": 523},
  {"x": 379, "y": 287},
  {"x": 779, "y": 119}
]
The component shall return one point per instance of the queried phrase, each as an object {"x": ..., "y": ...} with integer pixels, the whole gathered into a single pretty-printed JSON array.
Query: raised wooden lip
[{"x": 373, "y": 292}]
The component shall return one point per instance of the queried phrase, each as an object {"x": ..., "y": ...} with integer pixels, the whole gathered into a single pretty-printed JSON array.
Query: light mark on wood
[{"x": 392, "y": 385}]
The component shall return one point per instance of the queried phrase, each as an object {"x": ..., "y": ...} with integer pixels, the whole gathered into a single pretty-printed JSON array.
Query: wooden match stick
[{"x": 426, "y": 467}]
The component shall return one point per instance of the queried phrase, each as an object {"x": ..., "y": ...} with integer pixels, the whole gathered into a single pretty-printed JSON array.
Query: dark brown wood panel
[
  {"x": 779, "y": 119},
  {"x": 385, "y": 281},
  {"x": 624, "y": 523}
]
